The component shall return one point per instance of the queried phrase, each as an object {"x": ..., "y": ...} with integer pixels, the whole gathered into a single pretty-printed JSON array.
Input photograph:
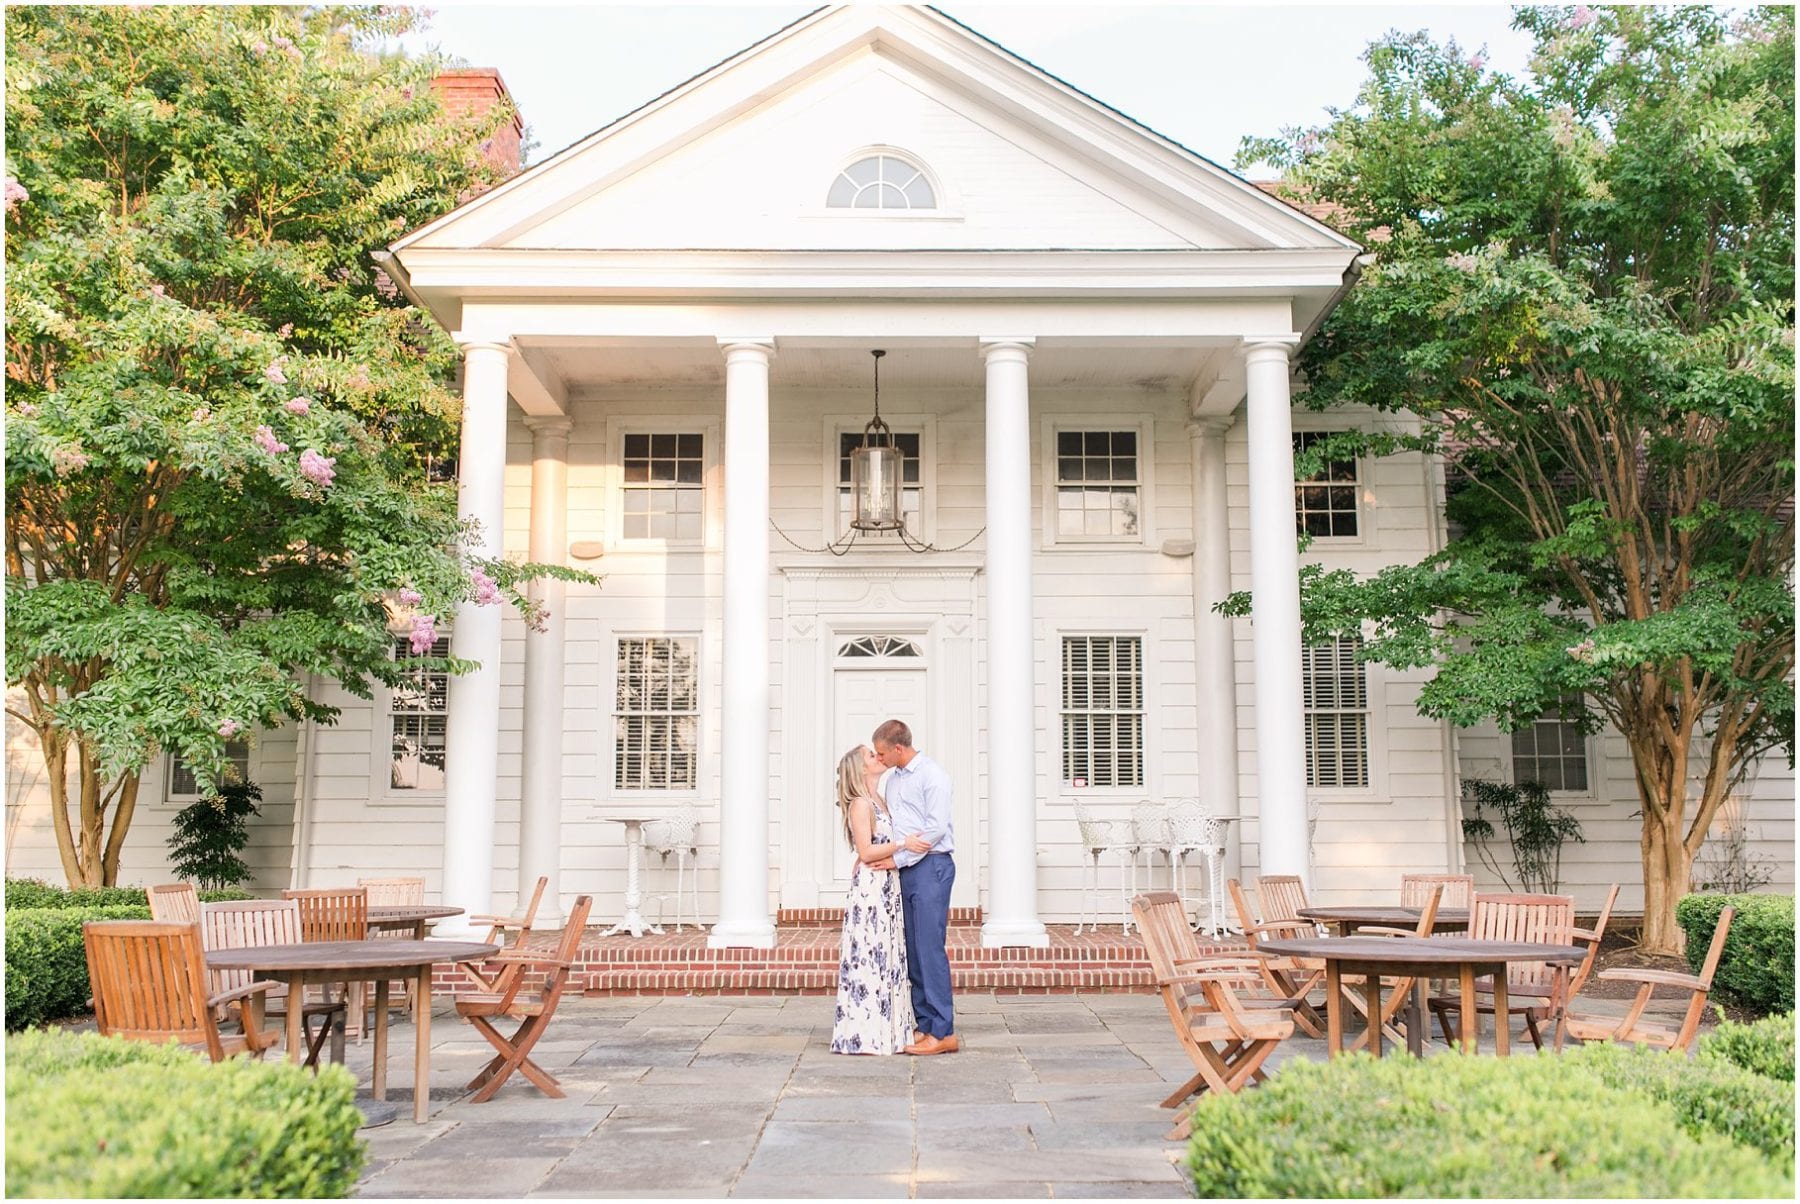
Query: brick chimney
[{"x": 477, "y": 90}]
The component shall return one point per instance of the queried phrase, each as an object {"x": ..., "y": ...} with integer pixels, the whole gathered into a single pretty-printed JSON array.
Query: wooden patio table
[
  {"x": 1369, "y": 957},
  {"x": 347, "y": 961},
  {"x": 1348, "y": 919},
  {"x": 400, "y": 917}
]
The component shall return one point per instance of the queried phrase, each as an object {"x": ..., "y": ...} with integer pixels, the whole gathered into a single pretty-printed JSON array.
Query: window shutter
[{"x": 1334, "y": 695}]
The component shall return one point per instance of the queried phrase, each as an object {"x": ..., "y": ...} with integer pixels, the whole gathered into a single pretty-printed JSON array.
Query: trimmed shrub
[
  {"x": 1765, "y": 1047},
  {"x": 1453, "y": 1126},
  {"x": 96, "y": 1117},
  {"x": 30, "y": 893},
  {"x": 1707, "y": 1097},
  {"x": 1756, "y": 970},
  {"x": 46, "y": 963}
]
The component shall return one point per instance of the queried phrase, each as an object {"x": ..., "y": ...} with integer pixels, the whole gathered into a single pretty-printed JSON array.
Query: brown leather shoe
[{"x": 931, "y": 1046}]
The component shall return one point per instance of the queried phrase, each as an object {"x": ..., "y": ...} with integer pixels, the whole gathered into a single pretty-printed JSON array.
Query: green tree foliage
[
  {"x": 210, "y": 834},
  {"x": 216, "y": 408},
  {"x": 1582, "y": 287}
]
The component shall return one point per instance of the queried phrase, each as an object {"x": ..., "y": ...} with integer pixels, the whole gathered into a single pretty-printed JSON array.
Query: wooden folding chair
[
  {"x": 1531, "y": 987},
  {"x": 149, "y": 983},
  {"x": 174, "y": 903},
  {"x": 1226, "y": 1033},
  {"x": 1399, "y": 990},
  {"x": 1287, "y": 977},
  {"x": 1455, "y": 890},
  {"x": 533, "y": 1009},
  {"x": 507, "y": 932},
  {"x": 396, "y": 892},
  {"x": 1633, "y": 1027},
  {"x": 338, "y": 913},
  {"x": 243, "y": 924}
]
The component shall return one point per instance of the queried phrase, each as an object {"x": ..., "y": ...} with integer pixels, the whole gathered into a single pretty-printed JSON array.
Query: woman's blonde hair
[{"x": 849, "y": 787}]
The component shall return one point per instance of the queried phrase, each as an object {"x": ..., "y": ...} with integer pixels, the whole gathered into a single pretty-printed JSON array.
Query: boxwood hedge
[
  {"x": 1765, "y": 1047},
  {"x": 1706, "y": 1096},
  {"x": 97, "y": 1117},
  {"x": 29, "y": 893},
  {"x": 1756, "y": 970},
  {"x": 1453, "y": 1126},
  {"x": 46, "y": 964}
]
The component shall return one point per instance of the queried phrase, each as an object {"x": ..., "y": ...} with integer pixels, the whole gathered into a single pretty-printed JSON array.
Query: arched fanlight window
[
  {"x": 881, "y": 182},
  {"x": 879, "y": 646}
]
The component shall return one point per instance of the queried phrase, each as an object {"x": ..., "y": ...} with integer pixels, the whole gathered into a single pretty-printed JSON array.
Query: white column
[
  {"x": 473, "y": 728},
  {"x": 744, "y": 919},
  {"x": 1012, "y": 913},
  {"x": 1275, "y": 613},
  {"x": 540, "y": 803},
  {"x": 1215, "y": 676}
]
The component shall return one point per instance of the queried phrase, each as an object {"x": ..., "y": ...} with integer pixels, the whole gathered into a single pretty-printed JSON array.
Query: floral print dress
[{"x": 874, "y": 1002}]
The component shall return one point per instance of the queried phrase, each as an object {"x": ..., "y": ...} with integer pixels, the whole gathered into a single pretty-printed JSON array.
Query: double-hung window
[
  {"x": 419, "y": 707},
  {"x": 183, "y": 786},
  {"x": 656, "y": 720},
  {"x": 663, "y": 487},
  {"x": 912, "y": 490},
  {"x": 1102, "y": 710},
  {"x": 1552, "y": 751},
  {"x": 1335, "y": 707},
  {"x": 1325, "y": 503},
  {"x": 1097, "y": 485}
]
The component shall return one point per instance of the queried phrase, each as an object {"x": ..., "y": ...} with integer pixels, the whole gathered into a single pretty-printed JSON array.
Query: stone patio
[{"x": 1053, "y": 1097}]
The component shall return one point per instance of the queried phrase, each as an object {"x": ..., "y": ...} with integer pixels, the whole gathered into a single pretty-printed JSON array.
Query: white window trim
[
  {"x": 848, "y": 424},
  {"x": 949, "y": 207},
  {"x": 164, "y": 770},
  {"x": 711, "y": 526},
  {"x": 1151, "y": 789},
  {"x": 1591, "y": 749},
  {"x": 382, "y": 791},
  {"x": 1145, "y": 426},
  {"x": 1376, "y": 679},
  {"x": 1365, "y": 508},
  {"x": 609, "y": 735}
]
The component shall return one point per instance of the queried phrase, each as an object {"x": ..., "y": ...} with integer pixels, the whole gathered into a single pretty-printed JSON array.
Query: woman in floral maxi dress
[{"x": 874, "y": 1003}]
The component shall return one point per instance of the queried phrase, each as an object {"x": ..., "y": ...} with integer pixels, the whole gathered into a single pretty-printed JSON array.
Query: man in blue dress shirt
[{"x": 918, "y": 797}]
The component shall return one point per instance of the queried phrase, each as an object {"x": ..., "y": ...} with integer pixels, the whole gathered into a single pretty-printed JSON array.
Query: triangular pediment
[{"x": 742, "y": 158}]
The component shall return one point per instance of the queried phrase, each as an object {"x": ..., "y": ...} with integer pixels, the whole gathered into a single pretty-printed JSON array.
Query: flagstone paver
[{"x": 1053, "y": 1097}]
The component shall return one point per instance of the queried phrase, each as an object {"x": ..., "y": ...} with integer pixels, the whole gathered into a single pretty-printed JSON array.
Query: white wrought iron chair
[
  {"x": 1195, "y": 830},
  {"x": 1150, "y": 828},
  {"x": 1100, "y": 837},
  {"x": 677, "y": 834}
]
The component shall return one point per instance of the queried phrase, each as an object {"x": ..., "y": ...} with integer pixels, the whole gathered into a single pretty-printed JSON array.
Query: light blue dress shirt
[{"x": 918, "y": 798}]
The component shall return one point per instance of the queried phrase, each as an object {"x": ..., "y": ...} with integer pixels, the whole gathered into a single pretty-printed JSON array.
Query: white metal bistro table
[{"x": 632, "y": 921}]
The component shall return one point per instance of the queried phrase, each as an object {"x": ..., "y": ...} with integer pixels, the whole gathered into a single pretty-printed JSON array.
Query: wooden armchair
[
  {"x": 149, "y": 982},
  {"x": 1531, "y": 987},
  {"x": 1287, "y": 977},
  {"x": 507, "y": 932},
  {"x": 174, "y": 903},
  {"x": 396, "y": 892},
  {"x": 339, "y": 913},
  {"x": 1454, "y": 890},
  {"x": 533, "y": 1009},
  {"x": 1633, "y": 1026},
  {"x": 1225, "y": 1029},
  {"x": 241, "y": 924},
  {"x": 1399, "y": 990}
]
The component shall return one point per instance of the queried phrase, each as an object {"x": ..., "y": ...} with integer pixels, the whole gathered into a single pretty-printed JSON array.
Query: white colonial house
[{"x": 1089, "y": 335}]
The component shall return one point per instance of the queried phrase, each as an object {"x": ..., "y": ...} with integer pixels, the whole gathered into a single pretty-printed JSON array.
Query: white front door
[{"x": 862, "y": 699}]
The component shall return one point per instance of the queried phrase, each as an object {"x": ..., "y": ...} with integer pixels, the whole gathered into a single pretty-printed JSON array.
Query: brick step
[{"x": 833, "y": 917}]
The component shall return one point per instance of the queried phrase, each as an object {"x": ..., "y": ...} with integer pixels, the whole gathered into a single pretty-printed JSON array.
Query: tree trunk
[{"x": 1668, "y": 869}]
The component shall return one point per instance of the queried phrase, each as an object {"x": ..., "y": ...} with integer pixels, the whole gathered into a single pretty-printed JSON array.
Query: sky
[{"x": 1204, "y": 75}]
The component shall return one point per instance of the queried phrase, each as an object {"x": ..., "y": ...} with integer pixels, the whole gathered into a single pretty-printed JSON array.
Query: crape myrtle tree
[
  {"x": 1582, "y": 286},
  {"x": 216, "y": 408}
]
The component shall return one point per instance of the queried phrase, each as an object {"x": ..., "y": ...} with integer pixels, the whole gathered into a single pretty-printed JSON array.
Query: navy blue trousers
[{"x": 925, "y": 905}]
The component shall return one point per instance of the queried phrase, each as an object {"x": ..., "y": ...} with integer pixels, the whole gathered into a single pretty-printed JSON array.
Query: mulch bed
[{"x": 1619, "y": 949}]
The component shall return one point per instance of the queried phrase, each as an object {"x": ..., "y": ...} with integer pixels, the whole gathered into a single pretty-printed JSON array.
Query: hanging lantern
[{"x": 876, "y": 468}]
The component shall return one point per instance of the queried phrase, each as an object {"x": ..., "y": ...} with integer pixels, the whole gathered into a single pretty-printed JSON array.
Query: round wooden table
[
  {"x": 1348, "y": 919},
  {"x": 398, "y": 918},
  {"x": 351, "y": 961},
  {"x": 1369, "y": 957}
]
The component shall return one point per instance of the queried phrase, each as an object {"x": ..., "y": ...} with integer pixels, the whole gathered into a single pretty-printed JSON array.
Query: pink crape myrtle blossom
[
  {"x": 265, "y": 439},
  {"x": 27, "y": 409},
  {"x": 66, "y": 460},
  {"x": 486, "y": 592},
  {"x": 410, "y": 597},
  {"x": 229, "y": 728},
  {"x": 321, "y": 470},
  {"x": 274, "y": 372},
  {"x": 300, "y": 405},
  {"x": 287, "y": 330},
  {"x": 15, "y": 194},
  {"x": 1583, "y": 652},
  {"x": 1582, "y": 17},
  {"x": 157, "y": 290},
  {"x": 201, "y": 414},
  {"x": 424, "y": 634},
  {"x": 1477, "y": 61}
]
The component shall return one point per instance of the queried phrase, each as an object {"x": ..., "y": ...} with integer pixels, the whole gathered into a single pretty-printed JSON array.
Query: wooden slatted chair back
[
  {"x": 333, "y": 914},
  {"x": 1457, "y": 889},
  {"x": 1536, "y": 919},
  {"x": 1428, "y": 909},
  {"x": 1241, "y": 904},
  {"x": 1592, "y": 937},
  {"x": 394, "y": 892},
  {"x": 175, "y": 903},
  {"x": 1281, "y": 896},
  {"x": 1162, "y": 919},
  {"x": 244, "y": 924},
  {"x": 149, "y": 982}
]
